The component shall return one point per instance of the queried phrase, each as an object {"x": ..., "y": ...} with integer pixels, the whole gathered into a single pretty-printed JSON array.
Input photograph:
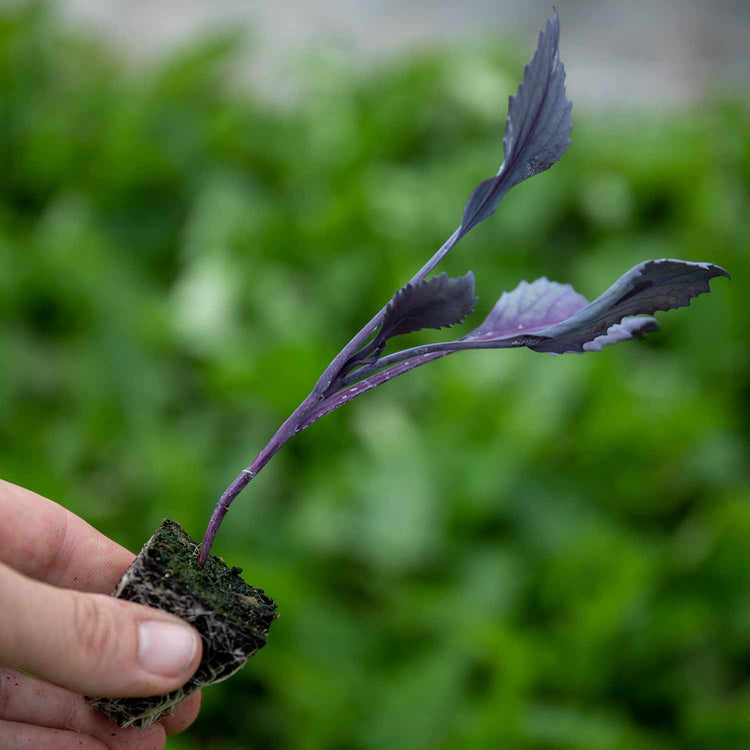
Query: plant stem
[
  {"x": 287, "y": 430},
  {"x": 331, "y": 372},
  {"x": 328, "y": 394},
  {"x": 345, "y": 395}
]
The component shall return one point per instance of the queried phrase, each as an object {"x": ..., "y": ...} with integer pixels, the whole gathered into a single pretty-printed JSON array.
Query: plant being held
[
  {"x": 232, "y": 617},
  {"x": 544, "y": 316}
]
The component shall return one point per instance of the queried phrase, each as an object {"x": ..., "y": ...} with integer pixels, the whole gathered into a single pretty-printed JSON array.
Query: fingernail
[{"x": 165, "y": 648}]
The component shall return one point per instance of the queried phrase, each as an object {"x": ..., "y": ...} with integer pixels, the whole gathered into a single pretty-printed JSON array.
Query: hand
[{"x": 57, "y": 622}]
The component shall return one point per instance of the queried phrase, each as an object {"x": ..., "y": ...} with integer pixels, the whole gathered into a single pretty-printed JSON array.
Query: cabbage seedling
[{"x": 545, "y": 316}]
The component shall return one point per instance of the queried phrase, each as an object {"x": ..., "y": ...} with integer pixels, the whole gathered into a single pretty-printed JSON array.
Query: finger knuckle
[{"x": 94, "y": 629}]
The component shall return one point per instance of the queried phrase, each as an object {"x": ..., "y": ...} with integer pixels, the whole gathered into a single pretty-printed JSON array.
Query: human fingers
[
  {"x": 93, "y": 644},
  {"x": 45, "y": 541},
  {"x": 28, "y": 704},
  {"x": 17, "y": 736},
  {"x": 184, "y": 714}
]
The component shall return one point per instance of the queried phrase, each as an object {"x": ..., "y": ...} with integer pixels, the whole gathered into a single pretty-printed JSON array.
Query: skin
[{"x": 58, "y": 625}]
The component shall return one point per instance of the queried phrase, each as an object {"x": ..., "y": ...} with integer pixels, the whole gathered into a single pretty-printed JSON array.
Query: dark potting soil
[{"x": 231, "y": 616}]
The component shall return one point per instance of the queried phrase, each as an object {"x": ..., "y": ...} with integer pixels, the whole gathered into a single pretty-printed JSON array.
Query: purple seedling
[{"x": 544, "y": 316}]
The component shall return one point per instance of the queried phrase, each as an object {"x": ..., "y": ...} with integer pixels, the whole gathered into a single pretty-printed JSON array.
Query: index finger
[{"x": 43, "y": 540}]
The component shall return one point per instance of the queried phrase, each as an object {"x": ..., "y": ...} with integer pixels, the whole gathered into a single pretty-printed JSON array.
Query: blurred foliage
[{"x": 505, "y": 549}]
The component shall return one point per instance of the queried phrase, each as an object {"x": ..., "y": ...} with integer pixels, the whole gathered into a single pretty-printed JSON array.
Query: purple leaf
[
  {"x": 537, "y": 128},
  {"x": 436, "y": 303},
  {"x": 439, "y": 302},
  {"x": 551, "y": 317},
  {"x": 627, "y": 328},
  {"x": 528, "y": 308},
  {"x": 650, "y": 286}
]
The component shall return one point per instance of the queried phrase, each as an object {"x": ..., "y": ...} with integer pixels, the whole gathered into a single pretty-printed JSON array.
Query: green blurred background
[{"x": 501, "y": 550}]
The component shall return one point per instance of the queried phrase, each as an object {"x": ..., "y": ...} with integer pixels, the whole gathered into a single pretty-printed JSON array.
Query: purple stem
[
  {"x": 347, "y": 394},
  {"x": 402, "y": 362},
  {"x": 491, "y": 341},
  {"x": 331, "y": 372},
  {"x": 287, "y": 430},
  {"x": 324, "y": 398}
]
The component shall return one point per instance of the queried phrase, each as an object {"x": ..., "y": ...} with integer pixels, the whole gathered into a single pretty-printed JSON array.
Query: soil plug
[{"x": 231, "y": 616}]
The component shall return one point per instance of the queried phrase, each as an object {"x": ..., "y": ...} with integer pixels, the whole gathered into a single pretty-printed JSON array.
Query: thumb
[{"x": 93, "y": 644}]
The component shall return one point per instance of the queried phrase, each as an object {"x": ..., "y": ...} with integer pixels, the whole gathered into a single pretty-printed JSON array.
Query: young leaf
[
  {"x": 650, "y": 286},
  {"x": 537, "y": 129},
  {"x": 439, "y": 302},
  {"x": 529, "y": 307},
  {"x": 551, "y": 317},
  {"x": 627, "y": 328}
]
